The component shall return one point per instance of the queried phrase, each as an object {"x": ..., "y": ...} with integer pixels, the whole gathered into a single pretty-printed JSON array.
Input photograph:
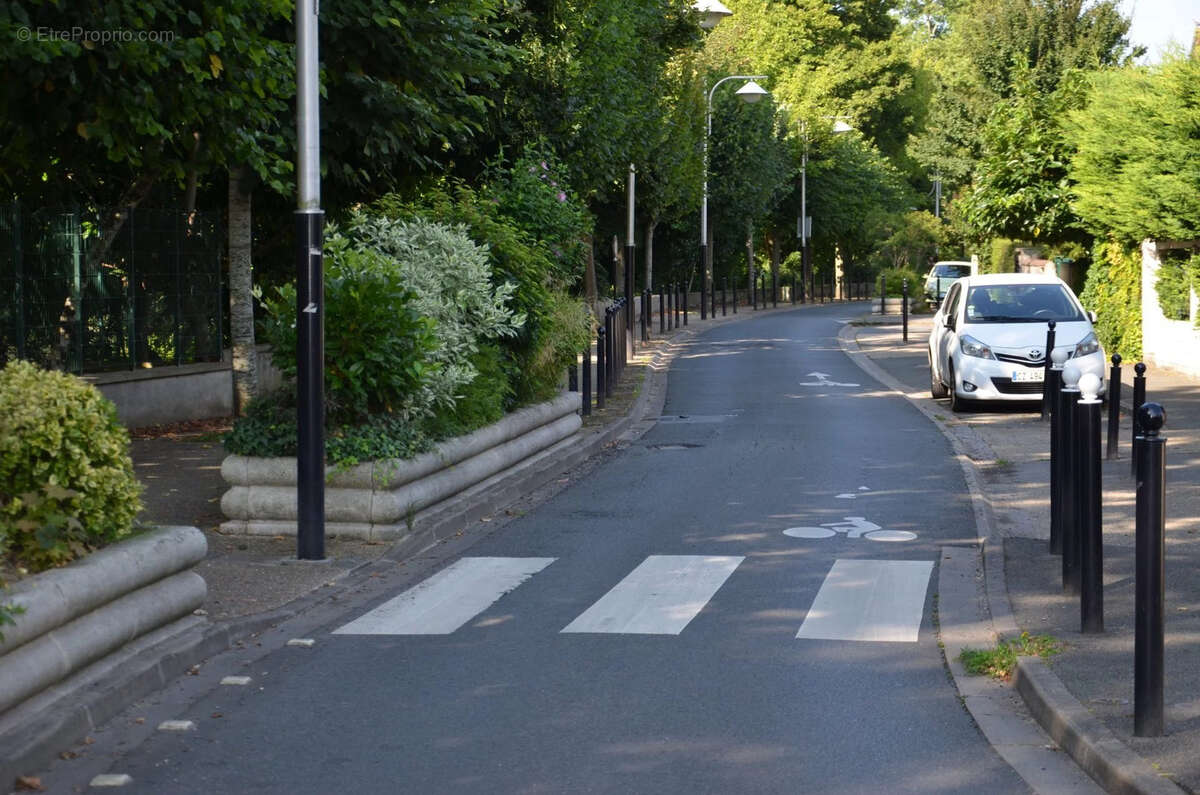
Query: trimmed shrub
[
  {"x": 893, "y": 283},
  {"x": 378, "y": 347},
  {"x": 66, "y": 481},
  {"x": 452, "y": 282}
]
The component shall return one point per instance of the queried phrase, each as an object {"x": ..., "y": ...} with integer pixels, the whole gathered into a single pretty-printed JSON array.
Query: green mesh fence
[{"x": 149, "y": 297}]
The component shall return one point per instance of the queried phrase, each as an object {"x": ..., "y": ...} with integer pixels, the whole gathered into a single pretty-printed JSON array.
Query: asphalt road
[{"x": 705, "y": 650}]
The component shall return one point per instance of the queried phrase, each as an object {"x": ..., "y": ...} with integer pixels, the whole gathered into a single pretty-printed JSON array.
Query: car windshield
[
  {"x": 951, "y": 271},
  {"x": 1020, "y": 303}
]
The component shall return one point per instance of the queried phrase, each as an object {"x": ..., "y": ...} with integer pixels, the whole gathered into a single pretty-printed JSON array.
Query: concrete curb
[
  {"x": 1093, "y": 747},
  {"x": 1084, "y": 736},
  {"x": 262, "y": 501},
  {"x": 54, "y": 597}
]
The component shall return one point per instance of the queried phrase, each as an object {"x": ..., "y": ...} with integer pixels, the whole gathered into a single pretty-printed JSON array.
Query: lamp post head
[
  {"x": 711, "y": 12},
  {"x": 751, "y": 92},
  {"x": 840, "y": 126}
]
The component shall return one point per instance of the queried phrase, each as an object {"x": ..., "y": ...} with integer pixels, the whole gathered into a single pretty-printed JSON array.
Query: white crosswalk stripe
[
  {"x": 869, "y": 600},
  {"x": 859, "y": 600},
  {"x": 659, "y": 597},
  {"x": 448, "y": 599}
]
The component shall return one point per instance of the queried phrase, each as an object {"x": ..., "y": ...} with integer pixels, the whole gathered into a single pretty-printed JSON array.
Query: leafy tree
[
  {"x": 1135, "y": 172},
  {"x": 915, "y": 241}
]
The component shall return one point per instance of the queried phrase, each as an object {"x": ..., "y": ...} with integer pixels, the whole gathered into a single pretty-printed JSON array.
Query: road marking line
[
  {"x": 239, "y": 681},
  {"x": 111, "y": 780},
  {"x": 448, "y": 599},
  {"x": 660, "y": 597},
  {"x": 304, "y": 643},
  {"x": 176, "y": 726},
  {"x": 869, "y": 600}
]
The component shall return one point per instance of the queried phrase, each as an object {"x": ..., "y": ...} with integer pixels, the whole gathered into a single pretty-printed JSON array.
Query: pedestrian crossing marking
[
  {"x": 448, "y": 599},
  {"x": 869, "y": 600},
  {"x": 660, "y": 597}
]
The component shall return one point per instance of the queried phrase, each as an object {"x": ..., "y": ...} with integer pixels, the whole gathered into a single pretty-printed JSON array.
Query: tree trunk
[
  {"x": 650, "y": 254},
  {"x": 241, "y": 299},
  {"x": 589, "y": 275}
]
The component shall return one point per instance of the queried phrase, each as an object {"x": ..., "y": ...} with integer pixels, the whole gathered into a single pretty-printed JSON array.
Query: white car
[
  {"x": 988, "y": 340},
  {"x": 941, "y": 276}
]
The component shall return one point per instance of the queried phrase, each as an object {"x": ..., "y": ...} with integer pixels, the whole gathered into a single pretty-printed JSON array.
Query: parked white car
[
  {"x": 941, "y": 276},
  {"x": 988, "y": 340}
]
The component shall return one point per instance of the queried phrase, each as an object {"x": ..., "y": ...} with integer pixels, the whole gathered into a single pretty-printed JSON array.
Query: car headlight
[
  {"x": 973, "y": 347},
  {"x": 1088, "y": 344}
]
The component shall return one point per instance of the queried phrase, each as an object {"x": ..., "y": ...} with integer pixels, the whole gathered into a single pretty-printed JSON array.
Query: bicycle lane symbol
[{"x": 852, "y": 527}]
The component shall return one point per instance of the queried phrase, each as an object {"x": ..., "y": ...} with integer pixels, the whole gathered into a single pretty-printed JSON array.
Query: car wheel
[
  {"x": 957, "y": 404},
  {"x": 936, "y": 387}
]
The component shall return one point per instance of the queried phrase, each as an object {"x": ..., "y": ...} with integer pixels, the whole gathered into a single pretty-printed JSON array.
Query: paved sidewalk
[{"x": 1009, "y": 448}]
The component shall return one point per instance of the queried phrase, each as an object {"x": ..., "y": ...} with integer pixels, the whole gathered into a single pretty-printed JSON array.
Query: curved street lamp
[{"x": 751, "y": 92}]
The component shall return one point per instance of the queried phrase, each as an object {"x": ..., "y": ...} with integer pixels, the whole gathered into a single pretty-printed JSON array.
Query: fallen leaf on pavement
[{"x": 30, "y": 783}]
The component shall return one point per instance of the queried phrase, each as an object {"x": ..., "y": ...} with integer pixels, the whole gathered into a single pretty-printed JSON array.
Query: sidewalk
[{"x": 1009, "y": 449}]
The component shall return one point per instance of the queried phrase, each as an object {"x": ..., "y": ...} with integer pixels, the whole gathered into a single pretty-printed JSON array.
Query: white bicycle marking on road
[{"x": 853, "y": 527}]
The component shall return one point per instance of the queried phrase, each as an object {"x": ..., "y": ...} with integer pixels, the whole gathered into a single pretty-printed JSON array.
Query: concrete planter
[
  {"x": 78, "y": 614},
  {"x": 893, "y": 306},
  {"x": 389, "y": 499}
]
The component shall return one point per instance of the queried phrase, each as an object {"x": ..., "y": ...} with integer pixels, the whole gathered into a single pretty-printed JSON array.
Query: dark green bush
[
  {"x": 484, "y": 401},
  {"x": 376, "y": 344},
  {"x": 1176, "y": 277},
  {"x": 66, "y": 481}
]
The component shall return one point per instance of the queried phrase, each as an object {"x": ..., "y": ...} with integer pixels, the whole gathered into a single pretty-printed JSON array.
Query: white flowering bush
[{"x": 452, "y": 279}]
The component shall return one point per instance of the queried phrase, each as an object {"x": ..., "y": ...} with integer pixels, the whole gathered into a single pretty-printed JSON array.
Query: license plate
[{"x": 1025, "y": 376}]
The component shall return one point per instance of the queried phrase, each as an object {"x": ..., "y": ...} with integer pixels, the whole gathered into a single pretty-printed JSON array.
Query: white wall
[{"x": 1167, "y": 343}]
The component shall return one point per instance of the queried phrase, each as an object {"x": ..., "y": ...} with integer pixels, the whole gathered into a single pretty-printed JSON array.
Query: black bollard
[
  {"x": 1069, "y": 478},
  {"x": 904, "y": 307},
  {"x": 703, "y": 293},
  {"x": 662, "y": 315},
  {"x": 1091, "y": 527},
  {"x": 882, "y": 295},
  {"x": 1148, "y": 575},
  {"x": 1114, "y": 405},
  {"x": 1046, "y": 375},
  {"x": 601, "y": 364},
  {"x": 645, "y": 315},
  {"x": 685, "y": 304},
  {"x": 587, "y": 380},
  {"x": 1139, "y": 397},
  {"x": 1053, "y": 389},
  {"x": 609, "y": 349}
]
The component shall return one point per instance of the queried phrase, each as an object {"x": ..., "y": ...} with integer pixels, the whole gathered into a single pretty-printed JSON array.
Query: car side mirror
[{"x": 1091, "y": 315}]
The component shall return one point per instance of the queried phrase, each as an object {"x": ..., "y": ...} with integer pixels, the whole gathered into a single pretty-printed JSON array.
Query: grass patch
[{"x": 1000, "y": 661}]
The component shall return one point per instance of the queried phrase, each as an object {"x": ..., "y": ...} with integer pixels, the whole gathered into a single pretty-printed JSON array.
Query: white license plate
[{"x": 1028, "y": 375}]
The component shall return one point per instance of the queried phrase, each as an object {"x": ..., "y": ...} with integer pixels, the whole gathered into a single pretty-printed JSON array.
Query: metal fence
[{"x": 150, "y": 297}]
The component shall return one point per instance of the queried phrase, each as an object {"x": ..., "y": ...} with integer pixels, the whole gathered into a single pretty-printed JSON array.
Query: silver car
[{"x": 988, "y": 340}]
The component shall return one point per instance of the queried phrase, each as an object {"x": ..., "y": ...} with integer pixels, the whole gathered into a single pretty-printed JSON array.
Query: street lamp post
[
  {"x": 751, "y": 92},
  {"x": 804, "y": 225}
]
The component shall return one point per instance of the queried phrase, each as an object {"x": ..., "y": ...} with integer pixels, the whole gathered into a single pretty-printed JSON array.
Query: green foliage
[
  {"x": 378, "y": 347},
  {"x": 66, "y": 481},
  {"x": 269, "y": 429},
  {"x": 1021, "y": 187},
  {"x": 8, "y": 614},
  {"x": 916, "y": 240},
  {"x": 483, "y": 401},
  {"x": 533, "y": 194},
  {"x": 1001, "y": 661},
  {"x": 452, "y": 284},
  {"x": 1113, "y": 292},
  {"x": 893, "y": 282},
  {"x": 1177, "y": 278},
  {"x": 1135, "y": 172},
  {"x": 1002, "y": 255},
  {"x": 565, "y": 330}
]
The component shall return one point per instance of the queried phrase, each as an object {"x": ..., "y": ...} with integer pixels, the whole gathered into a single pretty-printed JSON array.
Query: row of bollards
[{"x": 1076, "y": 512}]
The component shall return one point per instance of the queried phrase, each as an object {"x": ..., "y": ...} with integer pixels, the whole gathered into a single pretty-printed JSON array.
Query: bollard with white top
[
  {"x": 1053, "y": 389},
  {"x": 1070, "y": 476},
  {"x": 1088, "y": 509}
]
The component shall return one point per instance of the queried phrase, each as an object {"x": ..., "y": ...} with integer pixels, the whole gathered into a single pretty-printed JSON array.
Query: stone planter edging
[
  {"x": 78, "y": 614},
  {"x": 382, "y": 500}
]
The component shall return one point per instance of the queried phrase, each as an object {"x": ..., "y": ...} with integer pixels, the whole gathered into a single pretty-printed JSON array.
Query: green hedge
[{"x": 1113, "y": 290}]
